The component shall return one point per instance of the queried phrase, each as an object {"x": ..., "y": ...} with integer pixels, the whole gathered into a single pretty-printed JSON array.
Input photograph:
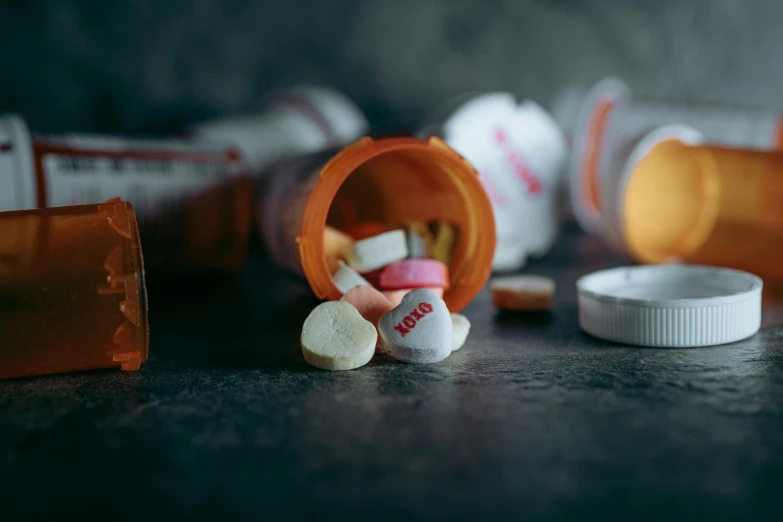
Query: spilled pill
[
  {"x": 522, "y": 292},
  {"x": 336, "y": 337},
  {"x": 419, "y": 330},
  {"x": 460, "y": 329},
  {"x": 395, "y": 296},
  {"x": 346, "y": 278},
  {"x": 414, "y": 273},
  {"x": 378, "y": 251}
]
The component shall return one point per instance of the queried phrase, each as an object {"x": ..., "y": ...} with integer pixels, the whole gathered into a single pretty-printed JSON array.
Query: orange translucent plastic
[
  {"x": 707, "y": 205},
  {"x": 72, "y": 294},
  {"x": 206, "y": 231},
  {"x": 390, "y": 181}
]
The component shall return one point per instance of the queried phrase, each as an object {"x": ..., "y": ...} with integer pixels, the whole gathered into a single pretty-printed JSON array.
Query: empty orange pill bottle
[
  {"x": 392, "y": 181},
  {"x": 683, "y": 199},
  {"x": 72, "y": 293}
]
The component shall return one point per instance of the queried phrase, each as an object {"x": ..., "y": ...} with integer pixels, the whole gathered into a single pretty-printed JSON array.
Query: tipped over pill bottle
[
  {"x": 683, "y": 199},
  {"x": 193, "y": 199},
  {"x": 72, "y": 290},
  {"x": 519, "y": 150},
  {"x": 292, "y": 122},
  {"x": 390, "y": 181},
  {"x": 605, "y": 121}
]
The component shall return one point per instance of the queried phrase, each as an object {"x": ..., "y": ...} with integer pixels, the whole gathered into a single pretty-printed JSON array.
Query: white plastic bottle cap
[{"x": 670, "y": 305}]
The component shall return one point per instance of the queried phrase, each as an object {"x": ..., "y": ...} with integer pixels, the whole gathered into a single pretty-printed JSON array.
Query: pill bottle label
[
  {"x": 192, "y": 200},
  {"x": 152, "y": 184}
]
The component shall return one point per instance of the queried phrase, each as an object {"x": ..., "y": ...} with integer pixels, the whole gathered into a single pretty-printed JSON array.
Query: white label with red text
[
  {"x": 519, "y": 152},
  {"x": 148, "y": 183}
]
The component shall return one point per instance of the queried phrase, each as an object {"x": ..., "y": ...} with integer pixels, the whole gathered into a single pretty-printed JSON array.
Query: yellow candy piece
[{"x": 445, "y": 235}]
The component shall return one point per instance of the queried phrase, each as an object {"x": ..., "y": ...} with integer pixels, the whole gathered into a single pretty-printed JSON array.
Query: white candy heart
[
  {"x": 419, "y": 330},
  {"x": 336, "y": 337},
  {"x": 460, "y": 331},
  {"x": 378, "y": 251},
  {"x": 346, "y": 278}
]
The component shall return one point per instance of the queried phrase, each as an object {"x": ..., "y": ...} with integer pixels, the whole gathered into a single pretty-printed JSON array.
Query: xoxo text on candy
[{"x": 409, "y": 321}]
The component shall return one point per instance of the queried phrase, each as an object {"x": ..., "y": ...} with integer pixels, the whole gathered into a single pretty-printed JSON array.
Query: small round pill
[{"x": 522, "y": 292}]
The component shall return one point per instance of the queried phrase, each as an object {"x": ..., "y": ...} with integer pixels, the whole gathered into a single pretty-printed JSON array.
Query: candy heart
[
  {"x": 370, "y": 303},
  {"x": 336, "y": 337},
  {"x": 378, "y": 251},
  {"x": 395, "y": 296},
  {"x": 460, "y": 331},
  {"x": 419, "y": 330},
  {"x": 414, "y": 273},
  {"x": 347, "y": 278}
]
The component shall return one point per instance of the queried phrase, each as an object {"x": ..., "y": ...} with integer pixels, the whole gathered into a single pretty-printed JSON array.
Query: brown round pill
[{"x": 522, "y": 292}]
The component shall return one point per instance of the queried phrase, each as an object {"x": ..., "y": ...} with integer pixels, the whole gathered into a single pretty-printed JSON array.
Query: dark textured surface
[{"x": 531, "y": 419}]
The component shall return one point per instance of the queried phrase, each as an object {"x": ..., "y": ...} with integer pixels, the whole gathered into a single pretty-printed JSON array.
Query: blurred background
[{"x": 143, "y": 66}]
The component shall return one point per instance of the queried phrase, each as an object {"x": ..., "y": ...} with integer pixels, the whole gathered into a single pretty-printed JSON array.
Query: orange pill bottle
[
  {"x": 390, "y": 180},
  {"x": 72, "y": 293},
  {"x": 606, "y": 121},
  {"x": 681, "y": 198}
]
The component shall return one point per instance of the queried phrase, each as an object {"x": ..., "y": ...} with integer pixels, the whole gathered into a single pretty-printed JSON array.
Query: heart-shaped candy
[
  {"x": 460, "y": 331},
  {"x": 336, "y": 337},
  {"x": 419, "y": 330}
]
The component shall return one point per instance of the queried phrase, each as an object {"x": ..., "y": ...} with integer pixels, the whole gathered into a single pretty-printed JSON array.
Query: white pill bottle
[{"x": 519, "y": 151}]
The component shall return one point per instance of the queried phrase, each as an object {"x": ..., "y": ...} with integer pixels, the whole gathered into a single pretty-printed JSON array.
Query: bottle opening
[
  {"x": 670, "y": 203},
  {"x": 395, "y": 181}
]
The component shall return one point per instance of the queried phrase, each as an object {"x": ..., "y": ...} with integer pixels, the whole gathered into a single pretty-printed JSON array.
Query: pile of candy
[
  {"x": 392, "y": 283},
  {"x": 393, "y": 261}
]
